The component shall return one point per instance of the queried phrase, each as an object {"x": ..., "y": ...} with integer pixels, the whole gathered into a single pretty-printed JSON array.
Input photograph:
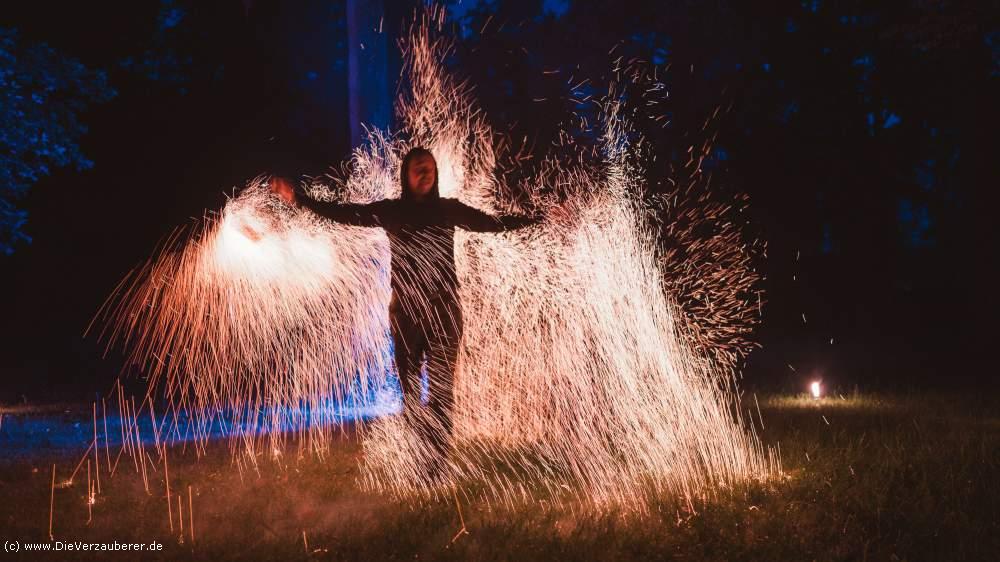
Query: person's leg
[
  {"x": 442, "y": 355},
  {"x": 408, "y": 346}
]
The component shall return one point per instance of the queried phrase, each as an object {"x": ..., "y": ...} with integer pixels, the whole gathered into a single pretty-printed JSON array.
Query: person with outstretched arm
[{"x": 425, "y": 314}]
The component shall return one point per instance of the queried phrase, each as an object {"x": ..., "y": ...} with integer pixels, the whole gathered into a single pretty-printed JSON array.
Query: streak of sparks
[{"x": 580, "y": 371}]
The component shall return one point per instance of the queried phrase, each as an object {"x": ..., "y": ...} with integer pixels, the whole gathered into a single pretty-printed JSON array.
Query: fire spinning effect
[{"x": 577, "y": 376}]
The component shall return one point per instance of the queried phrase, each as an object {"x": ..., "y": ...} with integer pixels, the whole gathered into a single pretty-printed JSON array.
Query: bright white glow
[{"x": 815, "y": 389}]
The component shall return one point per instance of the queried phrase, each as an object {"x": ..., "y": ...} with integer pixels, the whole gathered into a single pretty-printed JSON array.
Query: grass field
[{"x": 867, "y": 477}]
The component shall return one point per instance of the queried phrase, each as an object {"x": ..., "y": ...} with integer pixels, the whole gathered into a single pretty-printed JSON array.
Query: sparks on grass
[{"x": 577, "y": 373}]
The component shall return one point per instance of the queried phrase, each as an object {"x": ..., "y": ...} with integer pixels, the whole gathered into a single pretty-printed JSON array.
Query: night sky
[{"x": 864, "y": 135}]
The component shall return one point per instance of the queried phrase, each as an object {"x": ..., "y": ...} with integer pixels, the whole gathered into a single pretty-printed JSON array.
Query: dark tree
[{"x": 44, "y": 94}]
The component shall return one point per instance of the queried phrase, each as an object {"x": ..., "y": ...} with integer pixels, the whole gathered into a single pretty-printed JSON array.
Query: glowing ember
[
  {"x": 576, "y": 372},
  {"x": 814, "y": 388}
]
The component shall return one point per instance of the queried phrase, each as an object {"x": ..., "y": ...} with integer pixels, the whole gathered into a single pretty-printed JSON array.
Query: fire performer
[{"x": 425, "y": 315}]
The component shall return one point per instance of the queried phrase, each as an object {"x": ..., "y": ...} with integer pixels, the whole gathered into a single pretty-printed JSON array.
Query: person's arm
[
  {"x": 354, "y": 214},
  {"x": 472, "y": 219}
]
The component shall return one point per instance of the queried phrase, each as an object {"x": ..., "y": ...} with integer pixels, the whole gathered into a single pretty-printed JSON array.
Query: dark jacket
[{"x": 421, "y": 238}]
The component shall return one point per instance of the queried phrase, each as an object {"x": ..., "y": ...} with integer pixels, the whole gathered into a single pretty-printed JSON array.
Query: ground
[{"x": 866, "y": 477}]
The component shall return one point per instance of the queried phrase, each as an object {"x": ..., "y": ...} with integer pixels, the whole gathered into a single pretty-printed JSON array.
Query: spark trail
[{"x": 577, "y": 376}]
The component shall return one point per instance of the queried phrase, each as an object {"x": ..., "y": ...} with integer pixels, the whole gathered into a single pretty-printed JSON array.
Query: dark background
[{"x": 863, "y": 133}]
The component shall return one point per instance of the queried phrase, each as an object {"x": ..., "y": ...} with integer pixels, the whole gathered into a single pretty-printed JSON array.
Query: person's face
[{"x": 420, "y": 174}]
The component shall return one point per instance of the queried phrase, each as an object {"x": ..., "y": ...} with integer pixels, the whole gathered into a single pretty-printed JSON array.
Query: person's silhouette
[{"x": 425, "y": 314}]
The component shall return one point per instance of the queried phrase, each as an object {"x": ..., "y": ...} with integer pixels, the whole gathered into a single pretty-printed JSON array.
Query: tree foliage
[{"x": 42, "y": 95}]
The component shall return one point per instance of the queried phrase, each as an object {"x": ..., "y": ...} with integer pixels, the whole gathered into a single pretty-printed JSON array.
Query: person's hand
[{"x": 283, "y": 189}]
